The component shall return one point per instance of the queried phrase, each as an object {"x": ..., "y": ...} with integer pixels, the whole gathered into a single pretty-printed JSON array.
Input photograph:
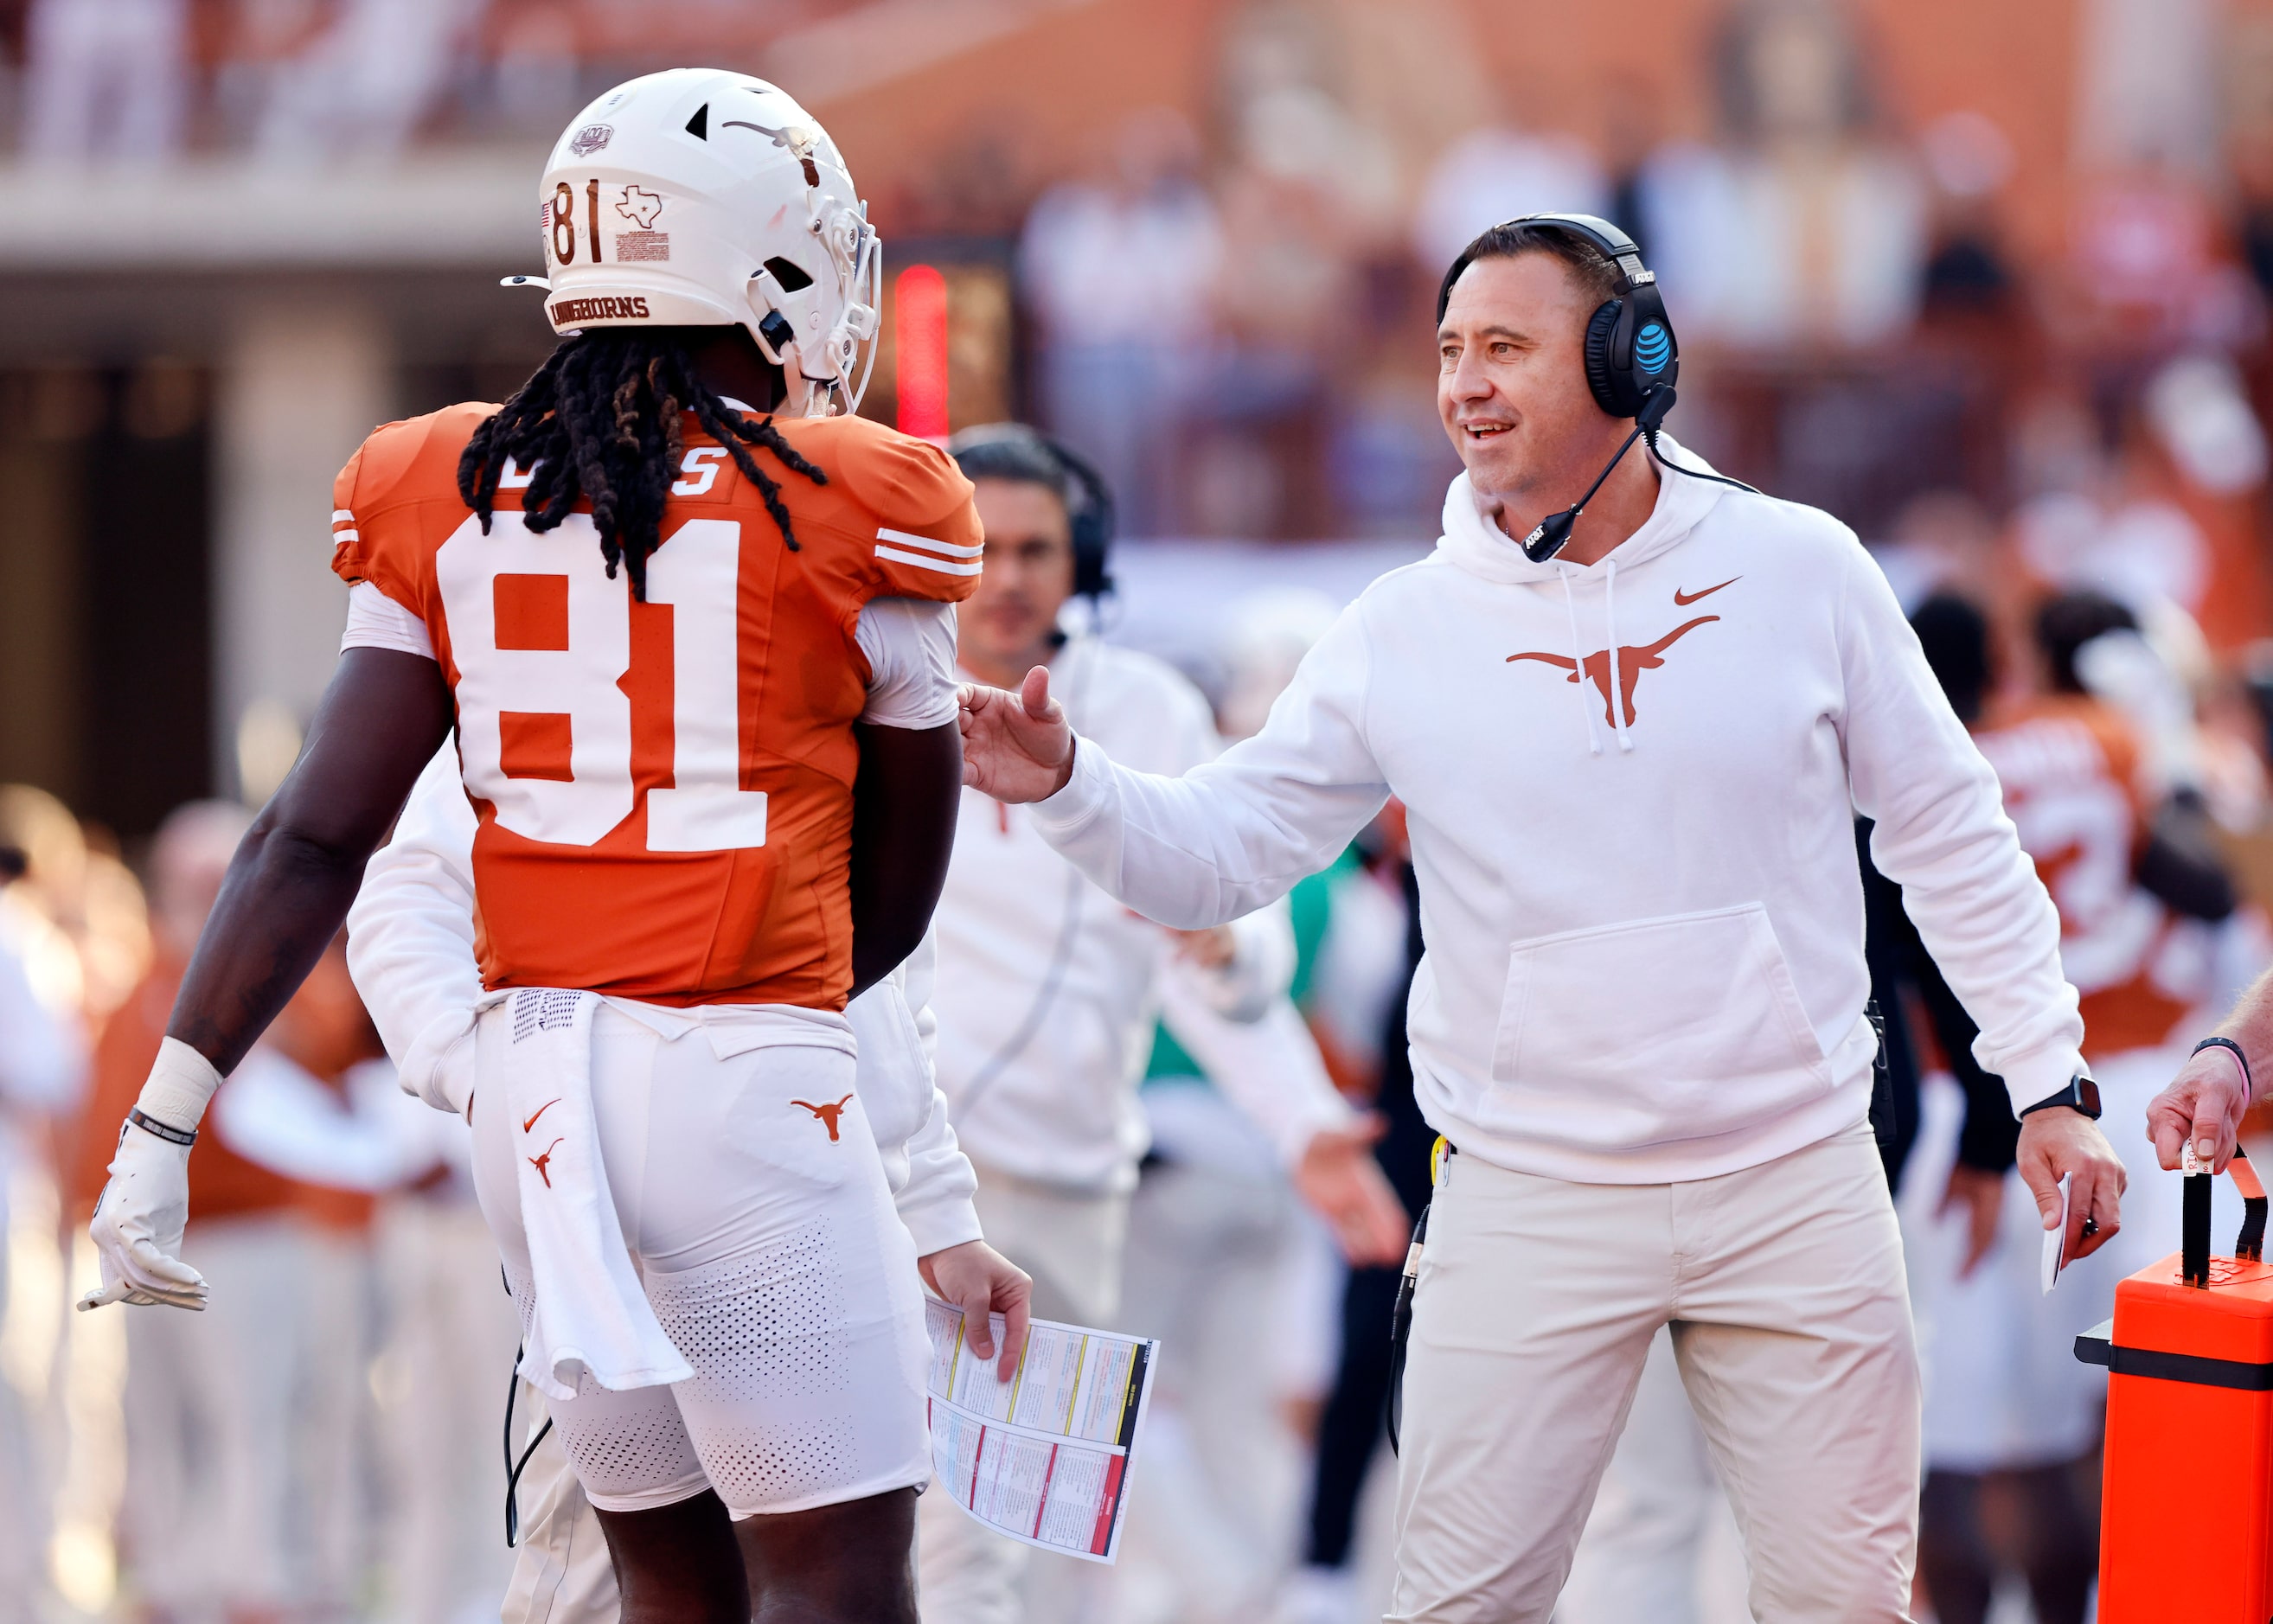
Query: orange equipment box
[{"x": 2186, "y": 1515}]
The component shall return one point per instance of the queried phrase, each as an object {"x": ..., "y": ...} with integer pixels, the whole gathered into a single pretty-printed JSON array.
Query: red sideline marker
[{"x": 919, "y": 345}]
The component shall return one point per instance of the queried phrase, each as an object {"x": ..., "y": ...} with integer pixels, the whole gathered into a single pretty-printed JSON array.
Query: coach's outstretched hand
[
  {"x": 980, "y": 1281},
  {"x": 139, "y": 1224},
  {"x": 1016, "y": 747}
]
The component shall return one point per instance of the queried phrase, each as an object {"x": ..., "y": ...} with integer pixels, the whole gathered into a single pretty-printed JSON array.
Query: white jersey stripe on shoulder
[
  {"x": 945, "y": 568},
  {"x": 342, "y": 516},
  {"x": 346, "y": 535},
  {"x": 952, "y": 550}
]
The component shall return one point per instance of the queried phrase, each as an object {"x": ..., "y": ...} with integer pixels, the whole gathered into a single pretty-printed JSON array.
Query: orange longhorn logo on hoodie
[{"x": 1631, "y": 664}]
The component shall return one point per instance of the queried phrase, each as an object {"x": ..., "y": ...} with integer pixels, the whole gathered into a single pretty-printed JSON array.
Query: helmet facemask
[{"x": 837, "y": 312}]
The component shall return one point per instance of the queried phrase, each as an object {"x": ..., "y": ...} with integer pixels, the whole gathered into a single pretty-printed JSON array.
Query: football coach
[{"x": 1633, "y": 710}]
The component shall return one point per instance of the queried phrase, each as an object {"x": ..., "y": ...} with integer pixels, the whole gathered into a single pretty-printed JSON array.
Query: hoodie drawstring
[
  {"x": 1578, "y": 662},
  {"x": 1610, "y": 619},
  {"x": 1578, "y": 659}
]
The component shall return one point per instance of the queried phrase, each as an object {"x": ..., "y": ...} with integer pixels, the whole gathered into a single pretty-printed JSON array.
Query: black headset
[
  {"x": 1632, "y": 357},
  {"x": 1631, "y": 352},
  {"x": 1093, "y": 521},
  {"x": 1020, "y": 452}
]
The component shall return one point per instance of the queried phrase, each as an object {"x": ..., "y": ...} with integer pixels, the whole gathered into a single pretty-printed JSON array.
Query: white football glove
[
  {"x": 137, "y": 1227},
  {"x": 144, "y": 1208}
]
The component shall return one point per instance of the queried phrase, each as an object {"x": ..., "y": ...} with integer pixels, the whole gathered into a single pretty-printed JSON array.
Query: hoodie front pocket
[{"x": 1658, "y": 1029}]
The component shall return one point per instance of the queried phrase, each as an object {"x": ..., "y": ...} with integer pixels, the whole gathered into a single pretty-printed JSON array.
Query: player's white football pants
[
  {"x": 756, "y": 1207},
  {"x": 1071, "y": 1244},
  {"x": 1537, "y": 1301}
]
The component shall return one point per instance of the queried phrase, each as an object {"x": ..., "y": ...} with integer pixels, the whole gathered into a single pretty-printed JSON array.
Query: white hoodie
[
  {"x": 1048, "y": 991},
  {"x": 1644, "y": 920}
]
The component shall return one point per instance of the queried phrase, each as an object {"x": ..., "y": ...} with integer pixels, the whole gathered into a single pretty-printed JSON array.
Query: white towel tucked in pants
[{"x": 587, "y": 1311}]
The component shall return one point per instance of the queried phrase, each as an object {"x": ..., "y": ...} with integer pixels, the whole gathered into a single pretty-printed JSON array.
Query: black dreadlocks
[{"x": 600, "y": 419}]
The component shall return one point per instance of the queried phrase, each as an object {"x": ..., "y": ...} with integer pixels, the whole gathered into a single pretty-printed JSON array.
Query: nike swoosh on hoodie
[{"x": 1683, "y": 600}]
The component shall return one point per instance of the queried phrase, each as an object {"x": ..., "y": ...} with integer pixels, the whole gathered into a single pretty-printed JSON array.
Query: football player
[
  {"x": 411, "y": 947},
  {"x": 1047, "y": 1003},
  {"x": 698, "y": 660},
  {"x": 2140, "y": 891}
]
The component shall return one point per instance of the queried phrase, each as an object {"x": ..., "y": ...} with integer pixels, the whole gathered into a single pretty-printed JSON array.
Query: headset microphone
[{"x": 1552, "y": 533}]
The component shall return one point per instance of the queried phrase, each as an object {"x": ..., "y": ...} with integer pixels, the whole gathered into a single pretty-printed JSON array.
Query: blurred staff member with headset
[
  {"x": 1631, "y": 730},
  {"x": 1048, "y": 989}
]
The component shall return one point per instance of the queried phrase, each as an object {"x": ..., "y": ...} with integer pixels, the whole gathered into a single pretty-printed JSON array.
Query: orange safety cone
[{"x": 2187, "y": 1513}]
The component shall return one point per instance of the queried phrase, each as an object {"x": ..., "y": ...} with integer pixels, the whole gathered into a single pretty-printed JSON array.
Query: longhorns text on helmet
[{"x": 702, "y": 197}]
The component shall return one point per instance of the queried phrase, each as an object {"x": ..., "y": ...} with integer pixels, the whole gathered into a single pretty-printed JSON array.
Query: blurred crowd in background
[
  {"x": 1989, "y": 282},
  {"x": 1219, "y": 296}
]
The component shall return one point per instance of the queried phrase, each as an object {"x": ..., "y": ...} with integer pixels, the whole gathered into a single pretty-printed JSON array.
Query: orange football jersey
[
  {"x": 664, "y": 789},
  {"x": 2070, "y": 768}
]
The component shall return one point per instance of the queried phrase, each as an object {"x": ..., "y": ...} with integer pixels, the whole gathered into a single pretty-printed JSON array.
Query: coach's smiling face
[{"x": 1512, "y": 385}]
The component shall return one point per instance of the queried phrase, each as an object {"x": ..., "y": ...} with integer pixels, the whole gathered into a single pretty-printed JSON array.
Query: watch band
[
  {"x": 2248, "y": 1082},
  {"x": 166, "y": 1131},
  {"x": 2082, "y": 1094}
]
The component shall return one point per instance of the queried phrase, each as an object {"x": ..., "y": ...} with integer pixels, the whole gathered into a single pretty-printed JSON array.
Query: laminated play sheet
[{"x": 1044, "y": 1457}]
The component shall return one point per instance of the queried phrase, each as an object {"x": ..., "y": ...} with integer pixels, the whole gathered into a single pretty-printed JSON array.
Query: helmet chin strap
[
  {"x": 834, "y": 391},
  {"x": 776, "y": 344},
  {"x": 821, "y": 396}
]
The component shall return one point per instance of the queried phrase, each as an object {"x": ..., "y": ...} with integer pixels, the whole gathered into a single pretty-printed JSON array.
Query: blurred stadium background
[
  {"x": 1985, "y": 278},
  {"x": 1935, "y": 248}
]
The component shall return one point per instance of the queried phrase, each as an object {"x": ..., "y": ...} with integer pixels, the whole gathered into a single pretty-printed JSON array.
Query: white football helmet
[{"x": 702, "y": 197}]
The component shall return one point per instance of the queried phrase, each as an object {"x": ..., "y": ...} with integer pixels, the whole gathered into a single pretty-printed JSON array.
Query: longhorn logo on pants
[{"x": 828, "y": 1115}]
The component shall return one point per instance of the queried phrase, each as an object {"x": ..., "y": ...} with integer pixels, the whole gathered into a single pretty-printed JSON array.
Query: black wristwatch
[{"x": 2080, "y": 1095}]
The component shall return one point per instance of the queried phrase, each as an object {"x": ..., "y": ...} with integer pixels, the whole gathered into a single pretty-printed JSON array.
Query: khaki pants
[
  {"x": 562, "y": 1572},
  {"x": 1536, "y": 1303},
  {"x": 1660, "y": 1544},
  {"x": 214, "y": 1510},
  {"x": 452, "y": 1334},
  {"x": 1071, "y": 1243}
]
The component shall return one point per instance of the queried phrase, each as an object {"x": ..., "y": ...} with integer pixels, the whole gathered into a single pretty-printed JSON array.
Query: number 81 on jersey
[{"x": 542, "y": 640}]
